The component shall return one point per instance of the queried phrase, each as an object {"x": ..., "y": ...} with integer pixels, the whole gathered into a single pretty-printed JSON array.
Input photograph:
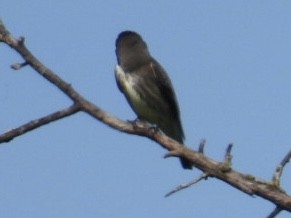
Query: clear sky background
[{"x": 230, "y": 64}]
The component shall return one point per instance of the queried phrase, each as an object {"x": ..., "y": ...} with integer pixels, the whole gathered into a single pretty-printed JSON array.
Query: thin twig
[
  {"x": 18, "y": 66},
  {"x": 202, "y": 146},
  {"x": 279, "y": 169},
  {"x": 275, "y": 212},
  {"x": 228, "y": 156},
  {"x": 187, "y": 185}
]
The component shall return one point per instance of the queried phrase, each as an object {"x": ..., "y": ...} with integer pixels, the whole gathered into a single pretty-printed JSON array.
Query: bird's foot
[{"x": 142, "y": 123}]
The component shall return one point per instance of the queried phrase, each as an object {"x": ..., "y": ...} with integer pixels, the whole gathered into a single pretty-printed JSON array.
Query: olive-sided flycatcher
[{"x": 147, "y": 87}]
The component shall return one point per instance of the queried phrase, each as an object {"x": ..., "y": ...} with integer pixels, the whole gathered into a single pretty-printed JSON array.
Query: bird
[{"x": 147, "y": 87}]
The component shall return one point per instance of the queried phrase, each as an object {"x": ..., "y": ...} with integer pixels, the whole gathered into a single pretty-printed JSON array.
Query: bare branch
[
  {"x": 280, "y": 167},
  {"x": 187, "y": 185},
  {"x": 228, "y": 156},
  {"x": 275, "y": 212},
  {"x": 202, "y": 146},
  {"x": 18, "y": 66},
  {"x": 8, "y": 136}
]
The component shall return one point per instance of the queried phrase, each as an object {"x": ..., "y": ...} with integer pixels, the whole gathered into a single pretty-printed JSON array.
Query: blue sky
[{"x": 229, "y": 62}]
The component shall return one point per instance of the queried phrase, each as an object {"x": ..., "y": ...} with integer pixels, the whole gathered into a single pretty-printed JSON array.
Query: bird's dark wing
[
  {"x": 158, "y": 87},
  {"x": 166, "y": 88}
]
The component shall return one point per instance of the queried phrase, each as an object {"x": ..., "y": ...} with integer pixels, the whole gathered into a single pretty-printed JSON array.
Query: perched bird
[{"x": 147, "y": 87}]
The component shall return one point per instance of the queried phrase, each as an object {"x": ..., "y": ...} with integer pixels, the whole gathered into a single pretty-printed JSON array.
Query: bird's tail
[{"x": 175, "y": 131}]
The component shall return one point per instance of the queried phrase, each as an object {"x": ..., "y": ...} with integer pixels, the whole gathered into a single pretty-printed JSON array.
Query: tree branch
[
  {"x": 11, "y": 134},
  {"x": 280, "y": 167},
  {"x": 275, "y": 212},
  {"x": 187, "y": 185},
  {"x": 247, "y": 183}
]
